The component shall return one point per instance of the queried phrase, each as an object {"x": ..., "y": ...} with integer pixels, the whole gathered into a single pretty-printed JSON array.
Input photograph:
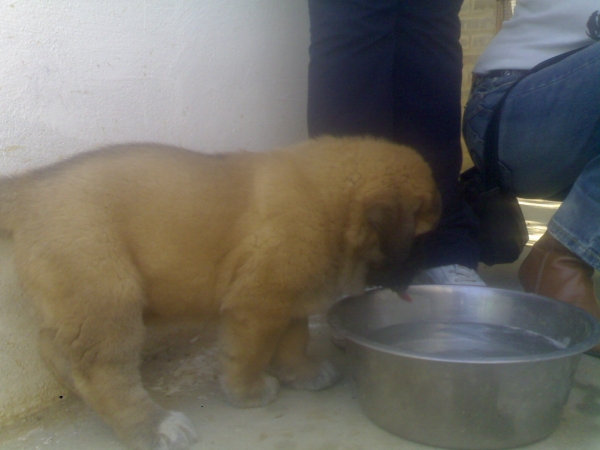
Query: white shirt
[{"x": 539, "y": 30}]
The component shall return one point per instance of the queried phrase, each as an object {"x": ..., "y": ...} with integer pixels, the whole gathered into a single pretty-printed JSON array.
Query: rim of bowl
[{"x": 592, "y": 340}]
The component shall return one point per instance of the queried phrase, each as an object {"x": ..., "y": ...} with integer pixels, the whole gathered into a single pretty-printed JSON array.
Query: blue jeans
[
  {"x": 392, "y": 69},
  {"x": 549, "y": 142}
]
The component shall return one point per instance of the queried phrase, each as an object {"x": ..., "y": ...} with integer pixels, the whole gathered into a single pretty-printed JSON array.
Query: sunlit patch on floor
[
  {"x": 547, "y": 204},
  {"x": 537, "y": 228}
]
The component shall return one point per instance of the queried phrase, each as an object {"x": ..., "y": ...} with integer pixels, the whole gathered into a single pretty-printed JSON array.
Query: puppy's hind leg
[{"x": 95, "y": 344}]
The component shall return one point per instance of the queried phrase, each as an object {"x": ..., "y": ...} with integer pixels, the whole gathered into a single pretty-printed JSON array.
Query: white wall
[
  {"x": 210, "y": 75},
  {"x": 204, "y": 74}
]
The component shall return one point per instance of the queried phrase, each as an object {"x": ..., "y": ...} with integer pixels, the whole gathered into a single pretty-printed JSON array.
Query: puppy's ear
[
  {"x": 428, "y": 212},
  {"x": 398, "y": 224},
  {"x": 401, "y": 232},
  {"x": 395, "y": 228}
]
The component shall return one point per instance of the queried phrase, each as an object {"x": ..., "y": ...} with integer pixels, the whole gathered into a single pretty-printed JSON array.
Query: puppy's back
[{"x": 120, "y": 179}]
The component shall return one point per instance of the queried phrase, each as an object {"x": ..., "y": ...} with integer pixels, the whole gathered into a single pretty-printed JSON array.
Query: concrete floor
[{"x": 183, "y": 377}]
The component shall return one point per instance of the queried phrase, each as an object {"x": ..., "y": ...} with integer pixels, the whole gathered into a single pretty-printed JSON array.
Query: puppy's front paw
[
  {"x": 175, "y": 432},
  {"x": 260, "y": 393},
  {"x": 311, "y": 376}
]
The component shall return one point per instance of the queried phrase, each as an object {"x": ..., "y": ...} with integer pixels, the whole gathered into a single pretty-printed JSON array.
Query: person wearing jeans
[
  {"x": 393, "y": 69},
  {"x": 549, "y": 136}
]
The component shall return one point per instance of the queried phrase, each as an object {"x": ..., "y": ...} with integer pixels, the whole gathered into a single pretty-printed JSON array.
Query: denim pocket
[{"x": 478, "y": 113}]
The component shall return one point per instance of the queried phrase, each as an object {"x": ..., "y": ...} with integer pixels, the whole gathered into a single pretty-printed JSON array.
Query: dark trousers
[{"x": 393, "y": 69}]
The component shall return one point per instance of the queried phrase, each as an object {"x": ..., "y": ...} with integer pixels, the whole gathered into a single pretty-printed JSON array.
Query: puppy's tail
[{"x": 8, "y": 200}]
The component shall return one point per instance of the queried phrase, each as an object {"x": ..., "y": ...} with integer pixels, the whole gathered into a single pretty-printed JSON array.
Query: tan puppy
[{"x": 108, "y": 239}]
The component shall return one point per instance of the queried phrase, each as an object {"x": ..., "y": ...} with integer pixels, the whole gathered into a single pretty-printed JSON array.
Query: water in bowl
[{"x": 465, "y": 340}]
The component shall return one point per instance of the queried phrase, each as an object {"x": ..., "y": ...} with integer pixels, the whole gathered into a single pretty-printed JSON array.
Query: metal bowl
[{"x": 464, "y": 367}]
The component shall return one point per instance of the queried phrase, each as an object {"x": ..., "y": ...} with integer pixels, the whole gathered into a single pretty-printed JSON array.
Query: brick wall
[{"x": 478, "y": 18}]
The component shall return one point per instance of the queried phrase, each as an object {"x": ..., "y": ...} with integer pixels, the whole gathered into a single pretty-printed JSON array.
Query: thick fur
[{"x": 108, "y": 239}]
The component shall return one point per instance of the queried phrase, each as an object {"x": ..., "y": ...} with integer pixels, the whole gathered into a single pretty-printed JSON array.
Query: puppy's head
[{"x": 393, "y": 202}]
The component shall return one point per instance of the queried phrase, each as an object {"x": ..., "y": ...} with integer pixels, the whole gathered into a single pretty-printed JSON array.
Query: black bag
[{"x": 502, "y": 228}]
